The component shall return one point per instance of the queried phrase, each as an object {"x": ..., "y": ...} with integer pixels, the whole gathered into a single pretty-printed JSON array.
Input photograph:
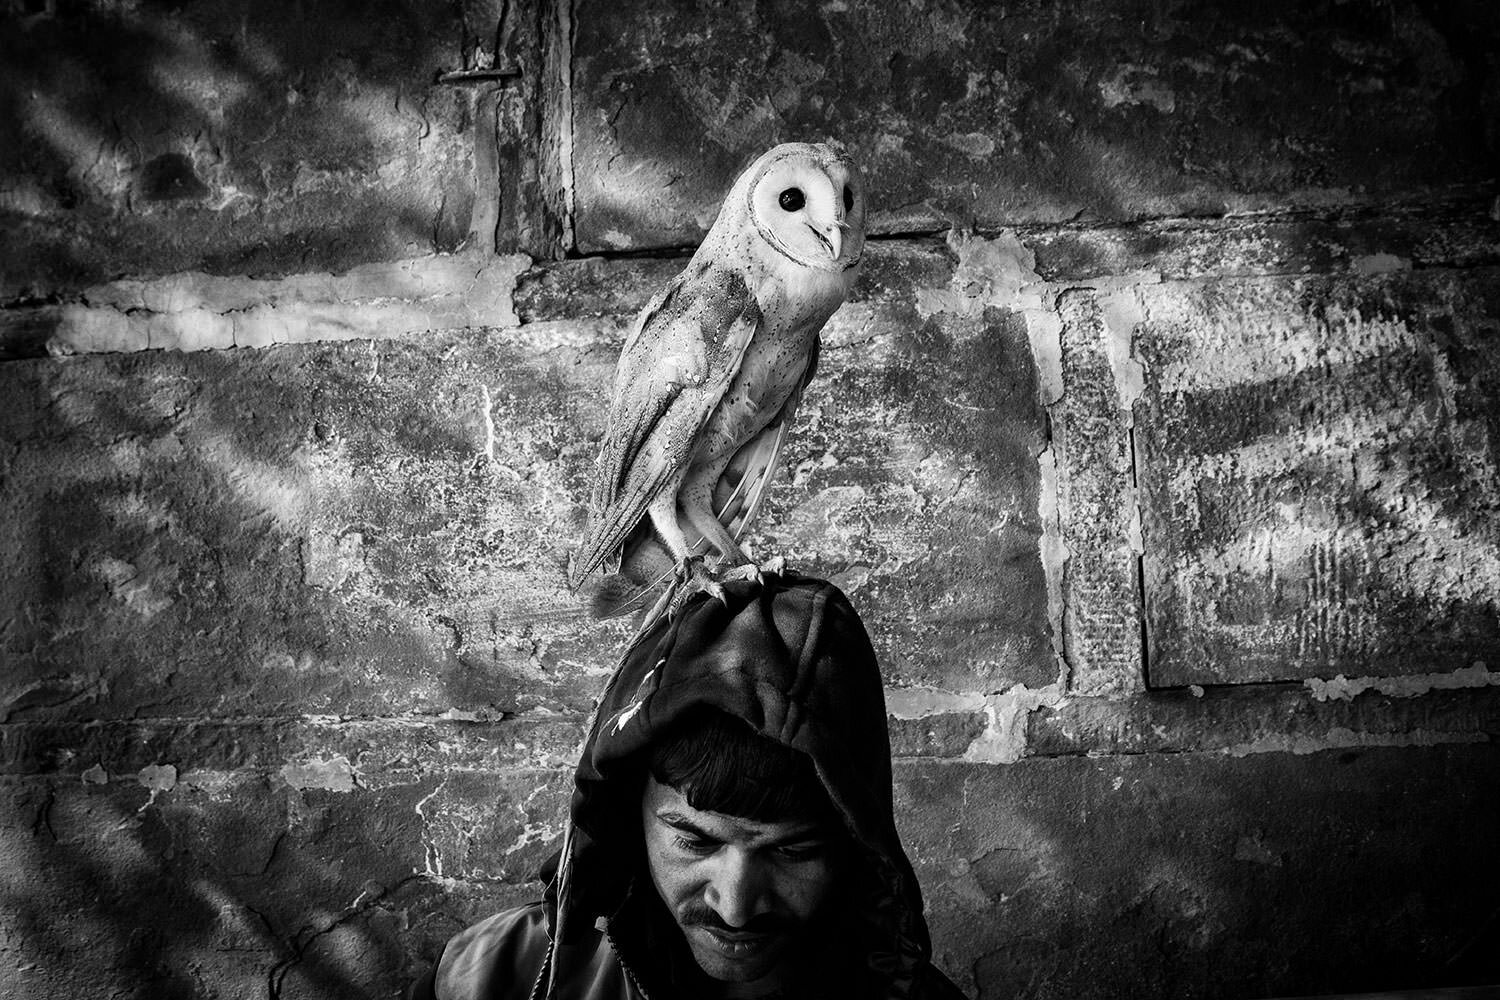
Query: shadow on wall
[
  {"x": 233, "y": 885},
  {"x": 229, "y": 136},
  {"x": 192, "y": 899},
  {"x": 329, "y": 529},
  {"x": 210, "y": 552}
]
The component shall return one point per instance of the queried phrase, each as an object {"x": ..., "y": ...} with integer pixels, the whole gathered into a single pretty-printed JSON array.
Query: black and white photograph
[{"x": 749, "y": 500}]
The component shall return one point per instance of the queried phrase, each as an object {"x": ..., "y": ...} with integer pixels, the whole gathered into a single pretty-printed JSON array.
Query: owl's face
[{"x": 808, "y": 203}]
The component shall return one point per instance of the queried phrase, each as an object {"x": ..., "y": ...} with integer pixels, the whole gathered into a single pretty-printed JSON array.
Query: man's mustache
[{"x": 703, "y": 915}]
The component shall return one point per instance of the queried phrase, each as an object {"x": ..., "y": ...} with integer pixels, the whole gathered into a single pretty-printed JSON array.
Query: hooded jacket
[{"x": 790, "y": 656}]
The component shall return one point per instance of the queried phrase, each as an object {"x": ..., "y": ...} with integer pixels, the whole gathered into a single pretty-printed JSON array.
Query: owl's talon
[
  {"x": 693, "y": 576},
  {"x": 744, "y": 571},
  {"x": 689, "y": 568}
]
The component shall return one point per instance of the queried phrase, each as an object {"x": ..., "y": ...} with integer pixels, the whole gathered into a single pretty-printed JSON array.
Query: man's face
[{"x": 741, "y": 891}]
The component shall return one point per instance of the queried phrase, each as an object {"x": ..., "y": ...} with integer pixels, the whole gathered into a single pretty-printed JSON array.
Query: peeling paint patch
[
  {"x": 193, "y": 311},
  {"x": 1122, "y": 314},
  {"x": 1004, "y": 738},
  {"x": 156, "y": 778},
  {"x": 335, "y": 774},
  {"x": 922, "y": 702},
  {"x": 1343, "y": 688},
  {"x": 1044, "y": 332},
  {"x": 998, "y": 272}
]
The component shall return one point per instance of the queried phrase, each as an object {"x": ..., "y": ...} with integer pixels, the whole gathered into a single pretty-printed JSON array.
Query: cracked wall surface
[{"x": 1156, "y": 444}]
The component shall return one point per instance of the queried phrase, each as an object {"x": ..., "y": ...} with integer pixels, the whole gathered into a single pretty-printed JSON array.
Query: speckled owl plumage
[{"x": 709, "y": 379}]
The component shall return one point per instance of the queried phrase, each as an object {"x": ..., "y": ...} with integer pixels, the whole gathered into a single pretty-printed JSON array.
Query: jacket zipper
[{"x": 545, "y": 976}]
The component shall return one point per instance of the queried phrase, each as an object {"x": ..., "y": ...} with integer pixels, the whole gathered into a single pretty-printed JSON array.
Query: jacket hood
[{"x": 790, "y": 656}]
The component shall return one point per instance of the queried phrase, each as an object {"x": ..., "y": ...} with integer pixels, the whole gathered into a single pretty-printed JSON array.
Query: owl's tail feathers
[{"x": 640, "y": 571}]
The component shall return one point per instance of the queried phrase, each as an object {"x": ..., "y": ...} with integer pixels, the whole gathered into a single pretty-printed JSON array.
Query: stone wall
[{"x": 1158, "y": 446}]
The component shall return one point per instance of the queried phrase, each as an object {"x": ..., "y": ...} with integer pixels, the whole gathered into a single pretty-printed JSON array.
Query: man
[{"x": 732, "y": 832}]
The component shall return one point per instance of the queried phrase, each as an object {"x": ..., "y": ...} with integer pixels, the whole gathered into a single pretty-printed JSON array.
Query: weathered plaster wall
[
  {"x": 978, "y": 114},
  {"x": 1158, "y": 446}
]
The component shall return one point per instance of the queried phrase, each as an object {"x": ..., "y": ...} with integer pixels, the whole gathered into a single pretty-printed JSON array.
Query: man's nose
[{"x": 737, "y": 890}]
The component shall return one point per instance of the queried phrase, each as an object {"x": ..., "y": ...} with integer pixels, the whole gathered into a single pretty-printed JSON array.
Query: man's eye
[
  {"x": 810, "y": 851},
  {"x": 695, "y": 845}
]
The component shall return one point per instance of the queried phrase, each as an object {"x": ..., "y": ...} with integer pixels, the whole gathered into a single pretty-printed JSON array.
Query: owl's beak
[{"x": 832, "y": 237}]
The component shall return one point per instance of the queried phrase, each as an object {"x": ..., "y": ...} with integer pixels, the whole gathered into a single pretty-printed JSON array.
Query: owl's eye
[
  {"x": 792, "y": 199},
  {"x": 848, "y": 199}
]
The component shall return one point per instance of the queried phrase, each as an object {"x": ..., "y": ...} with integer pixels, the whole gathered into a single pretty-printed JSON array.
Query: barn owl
[{"x": 710, "y": 376}]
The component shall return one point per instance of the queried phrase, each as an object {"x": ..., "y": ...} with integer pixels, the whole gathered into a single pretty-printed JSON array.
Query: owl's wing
[
  {"x": 736, "y": 501},
  {"x": 738, "y": 497},
  {"x": 674, "y": 368}
]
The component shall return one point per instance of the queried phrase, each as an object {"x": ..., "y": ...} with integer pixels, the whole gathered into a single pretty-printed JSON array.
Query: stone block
[
  {"x": 228, "y": 137},
  {"x": 968, "y": 114},
  {"x": 1174, "y": 874},
  {"x": 1321, "y": 476},
  {"x": 1099, "y": 538}
]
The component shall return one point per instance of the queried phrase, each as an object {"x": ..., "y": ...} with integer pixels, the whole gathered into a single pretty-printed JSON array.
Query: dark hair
[{"x": 720, "y": 764}]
